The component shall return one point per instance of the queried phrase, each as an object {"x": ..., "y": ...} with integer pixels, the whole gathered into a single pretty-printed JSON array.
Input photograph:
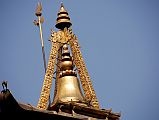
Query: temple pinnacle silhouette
[{"x": 74, "y": 96}]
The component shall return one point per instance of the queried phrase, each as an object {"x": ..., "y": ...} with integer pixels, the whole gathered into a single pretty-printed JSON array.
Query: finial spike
[
  {"x": 63, "y": 20},
  {"x": 62, "y": 5}
]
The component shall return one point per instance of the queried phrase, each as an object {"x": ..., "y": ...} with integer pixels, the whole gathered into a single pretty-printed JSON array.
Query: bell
[
  {"x": 68, "y": 83},
  {"x": 69, "y": 89},
  {"x": 63, "y": 19}
]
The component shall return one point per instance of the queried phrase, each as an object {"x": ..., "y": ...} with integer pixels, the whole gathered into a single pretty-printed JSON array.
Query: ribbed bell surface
[{"x": 63, "y": 20}]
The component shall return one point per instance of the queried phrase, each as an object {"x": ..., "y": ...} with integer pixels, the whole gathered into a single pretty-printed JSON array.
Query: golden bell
[
  {"x": 63, "y": 19},
  {"x": 68, "y": 83},
  {"x": 69, "y": 89}
]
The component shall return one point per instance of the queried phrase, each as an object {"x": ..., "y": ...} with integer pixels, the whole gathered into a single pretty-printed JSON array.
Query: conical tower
[
  {"x": 65, "y": 58},
  {"x": 66, "y": 66},
  {"x": 59, "y": 39}
]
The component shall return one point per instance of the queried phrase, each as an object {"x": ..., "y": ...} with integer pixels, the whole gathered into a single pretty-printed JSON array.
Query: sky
[{"x": 119, "y": 42}]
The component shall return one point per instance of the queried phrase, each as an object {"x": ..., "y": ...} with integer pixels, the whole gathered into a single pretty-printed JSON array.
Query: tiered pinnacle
[
  {"x": 66, "y": 66},
  {"x": 63, "y": 20},
  {"x": 65, "y": 76}
]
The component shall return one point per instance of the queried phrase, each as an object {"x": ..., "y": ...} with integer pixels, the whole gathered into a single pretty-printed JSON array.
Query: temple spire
[
  {"x": 65, "y": 36},
  {"x": 63, "y": 19}
]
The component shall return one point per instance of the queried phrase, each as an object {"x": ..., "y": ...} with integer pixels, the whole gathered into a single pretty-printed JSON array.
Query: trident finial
[
  {"x": 38, "y": 9},
  {"x": 38, "y": 22},
  {"x": 38, "y": 13}
]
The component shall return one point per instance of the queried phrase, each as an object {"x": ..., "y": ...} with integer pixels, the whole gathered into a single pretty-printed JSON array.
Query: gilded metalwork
[
  {"x": 56, "y": 90},
  {"x": 59, "y": 37},
  {"x": 68, "y": 97},
  {"x": 69, "y": 89},
  {"x": 82, "y": 70},
  {"x": 63, "y": 20},
  {"x": 67, "y": 85},
  {"x": 45, "y": 92}
]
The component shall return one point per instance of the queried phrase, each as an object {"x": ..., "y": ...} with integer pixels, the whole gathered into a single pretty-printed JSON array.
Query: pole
[
  {"x": 42, "y": 42},
  {"x": 38, "y": 13}
]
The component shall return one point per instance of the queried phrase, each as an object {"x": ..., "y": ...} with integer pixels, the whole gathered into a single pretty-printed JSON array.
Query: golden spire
[
  {"x": 67, "y": 76},
  {"x": 63, "y": 20}
]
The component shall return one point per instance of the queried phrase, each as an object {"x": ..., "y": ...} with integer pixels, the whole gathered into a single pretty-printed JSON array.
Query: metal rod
[
  {"x": 40, "y": 20},
  {"x": 42, "y": 42}
]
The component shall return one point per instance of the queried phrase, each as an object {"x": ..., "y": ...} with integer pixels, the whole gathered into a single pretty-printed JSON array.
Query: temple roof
[{"x": 9, "y": 104}]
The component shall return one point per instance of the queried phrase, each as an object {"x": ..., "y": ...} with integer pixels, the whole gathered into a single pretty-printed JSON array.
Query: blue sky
[{"x": 119, "y": 41}]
